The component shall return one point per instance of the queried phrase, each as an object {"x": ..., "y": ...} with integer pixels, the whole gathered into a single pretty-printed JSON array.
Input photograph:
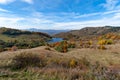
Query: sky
[{"x": 59, "y": 14}]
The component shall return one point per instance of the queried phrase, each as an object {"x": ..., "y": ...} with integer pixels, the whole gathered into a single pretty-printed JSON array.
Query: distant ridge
[
  {"x": 88, "y": 32},
  {"x": 16, "y": 32},
  {"x": 49, "y": 31}
]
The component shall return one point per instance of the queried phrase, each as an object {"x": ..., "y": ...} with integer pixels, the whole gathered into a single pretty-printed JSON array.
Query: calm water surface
[{"x": 53, "y": 40}]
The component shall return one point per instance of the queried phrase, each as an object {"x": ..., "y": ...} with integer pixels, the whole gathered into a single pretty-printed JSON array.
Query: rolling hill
[
  {"x": 88, "y": 32},
  {"x": 22, "y": 39}
]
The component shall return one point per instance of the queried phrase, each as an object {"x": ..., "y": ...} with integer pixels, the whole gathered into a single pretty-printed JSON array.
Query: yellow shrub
[
  {"x": 73, "y": 63},
  {"x": 102, "y": 42},
  {"x": 105, "y": 42},
  {"x": 90, "y": 42},
  {"x": 109, "y": 41}
]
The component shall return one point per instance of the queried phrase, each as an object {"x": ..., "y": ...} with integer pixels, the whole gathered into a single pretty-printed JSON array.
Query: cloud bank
[{"x": 30, "y": 17}]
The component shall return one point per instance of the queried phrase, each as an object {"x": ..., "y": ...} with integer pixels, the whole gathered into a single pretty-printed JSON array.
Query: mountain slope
[{"x": 88, "y": 32}]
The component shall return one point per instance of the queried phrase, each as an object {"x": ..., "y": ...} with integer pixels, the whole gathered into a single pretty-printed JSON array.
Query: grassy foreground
[{"x": 77, "y": 64}]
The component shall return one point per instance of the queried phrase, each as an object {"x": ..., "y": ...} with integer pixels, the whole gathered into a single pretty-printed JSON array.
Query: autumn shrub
[
  {"x": 90, "y": 42},
  {"x": 24, "y": 60},
  {"x": 105, "y": 42},
  {"x": 62, "y": 47},
  {"x": 102, "y": 42},
  {"x": 73, "y": 63},
  {"x": 112, "y": 36},
  {"x": 108, "y": 42}
]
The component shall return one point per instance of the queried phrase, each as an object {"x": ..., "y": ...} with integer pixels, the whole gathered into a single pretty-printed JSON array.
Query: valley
[{"x": 92, "y": 56}]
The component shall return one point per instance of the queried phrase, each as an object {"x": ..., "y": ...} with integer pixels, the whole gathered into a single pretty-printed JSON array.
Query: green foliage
[
  {"x": 14, "y": 32},
  {"x": 23, "y": 44},
  {"x": 22, "y": 39}
]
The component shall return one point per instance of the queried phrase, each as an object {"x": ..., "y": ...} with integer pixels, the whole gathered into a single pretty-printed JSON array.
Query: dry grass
[
  {"x": 111, "y": 55},
  {"x": 60, "y": 66}
]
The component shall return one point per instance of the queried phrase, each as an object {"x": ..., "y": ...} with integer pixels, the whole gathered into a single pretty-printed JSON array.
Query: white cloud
[
  {"x": 10, "y": 20},
  {"x": 87, "y": 15},
  {"x": 91, "y": 23},
  {"x": 28, "y": 1},
  {"x": 79, "y": 16},
  {"x": 3, "y": 10},
  {"x": 110, "y": 4},
  {"x": 6, "y": 1},
  {"x": 42, "y": 21},
  {"x": 10, "y": 1}
]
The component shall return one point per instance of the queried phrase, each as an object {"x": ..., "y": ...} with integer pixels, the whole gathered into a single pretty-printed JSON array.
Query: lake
[{"x": 53, "y": 40}]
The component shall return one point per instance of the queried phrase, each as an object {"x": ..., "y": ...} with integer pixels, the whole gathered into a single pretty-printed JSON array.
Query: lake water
[{"x": 53, "y": 40}]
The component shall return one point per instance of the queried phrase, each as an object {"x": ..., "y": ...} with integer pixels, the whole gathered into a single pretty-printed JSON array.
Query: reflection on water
[{"x": 53, "y": 40}]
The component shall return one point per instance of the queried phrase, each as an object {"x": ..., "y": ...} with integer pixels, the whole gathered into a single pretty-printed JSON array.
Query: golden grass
[{"x": 106, "y": 57}]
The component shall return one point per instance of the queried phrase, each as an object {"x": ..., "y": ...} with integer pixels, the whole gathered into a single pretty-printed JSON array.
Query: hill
[
  {"x": 23, "y": 39},
  {"x": 50, "y": 32},
  {"x": 88, "y": 32}
]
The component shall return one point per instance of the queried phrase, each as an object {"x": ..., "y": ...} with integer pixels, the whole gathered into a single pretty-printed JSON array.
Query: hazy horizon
[{"x": 59, "y": 14}]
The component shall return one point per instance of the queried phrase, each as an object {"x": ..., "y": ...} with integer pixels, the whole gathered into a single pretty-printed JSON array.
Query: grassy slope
[
  {"x": 14, "y": 34},
  {"x": 21, "y": 39},
  {"x": 88, "y": 32}
]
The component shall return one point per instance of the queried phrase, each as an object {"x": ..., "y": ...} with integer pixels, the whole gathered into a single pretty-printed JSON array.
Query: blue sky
[{"x": 59, "y": 14}]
